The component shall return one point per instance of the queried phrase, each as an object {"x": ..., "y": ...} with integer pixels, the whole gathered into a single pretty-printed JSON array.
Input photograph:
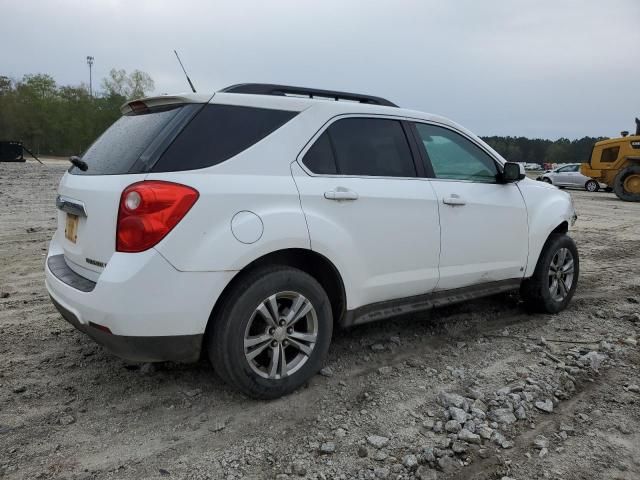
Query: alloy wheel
[
  {"x": 281, "y": 335},
  {"x": 561, "y": 272}
]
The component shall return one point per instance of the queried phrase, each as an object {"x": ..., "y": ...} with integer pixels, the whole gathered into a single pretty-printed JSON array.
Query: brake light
[{"x": 148, "y": 212}]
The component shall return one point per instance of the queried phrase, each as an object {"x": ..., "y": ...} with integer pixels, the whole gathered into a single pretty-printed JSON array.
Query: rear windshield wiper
[{"x": 78, "y": 162}]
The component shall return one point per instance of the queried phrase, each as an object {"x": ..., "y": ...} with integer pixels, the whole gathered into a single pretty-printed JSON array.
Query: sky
[{"x": 544, "y": 68}]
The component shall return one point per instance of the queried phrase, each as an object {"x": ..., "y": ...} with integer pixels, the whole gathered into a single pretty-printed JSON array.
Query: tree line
[
  {"x": 537, "y": 150},
  {"x": 52, "y": 119}
]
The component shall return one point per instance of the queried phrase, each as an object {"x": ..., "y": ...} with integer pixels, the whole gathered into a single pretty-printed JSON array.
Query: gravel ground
[{"x": 479, "y": 391}]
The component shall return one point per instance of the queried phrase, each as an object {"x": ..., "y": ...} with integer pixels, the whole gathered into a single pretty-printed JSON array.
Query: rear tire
[
  {"x": 591, "y": 186},
  {"x": 555, "y": 278},
  {"x": 626, "y": 185},
  {"x": 264, "y": 353}
]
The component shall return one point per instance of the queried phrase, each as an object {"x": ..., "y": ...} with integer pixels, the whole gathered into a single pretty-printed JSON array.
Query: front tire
[
  {"x": 555, "y": 278},
  {"x": 591, "y": 186},
  {"x": 547, "y": 180},
  {"x": 272, "y": 333}
]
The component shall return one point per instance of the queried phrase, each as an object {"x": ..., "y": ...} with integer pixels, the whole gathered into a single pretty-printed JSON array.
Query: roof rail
[{"x": 283, "y": 90}]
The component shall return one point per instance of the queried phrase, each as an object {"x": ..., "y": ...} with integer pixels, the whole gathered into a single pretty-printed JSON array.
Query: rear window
[
  {"x": 219, "y": 132},
  {"x": 118, "y": 149}
]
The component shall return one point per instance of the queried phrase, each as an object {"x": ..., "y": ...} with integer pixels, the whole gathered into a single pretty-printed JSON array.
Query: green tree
[{"x": 137, "y": 84}]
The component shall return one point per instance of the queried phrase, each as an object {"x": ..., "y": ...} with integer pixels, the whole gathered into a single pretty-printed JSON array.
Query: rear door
[
  {"x": 88, "y": 200},
  {"x": 484, "y": 231},
  {"x": 367, "y": 209}
]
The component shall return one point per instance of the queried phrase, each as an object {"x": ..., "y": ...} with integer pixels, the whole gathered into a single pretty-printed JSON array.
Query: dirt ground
[{"x": 68, "y": 409}]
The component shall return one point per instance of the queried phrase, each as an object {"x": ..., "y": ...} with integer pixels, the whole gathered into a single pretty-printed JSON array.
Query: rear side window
[
  {"x": 362, "y": 146},
  {"x": 117, "y": 150},
  {"x": 217, "y": 133},
  {"x": 319, "y": 158}
]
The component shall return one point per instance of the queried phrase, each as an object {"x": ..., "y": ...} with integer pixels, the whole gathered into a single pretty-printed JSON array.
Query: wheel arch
[{"x": 313, "y": 263}]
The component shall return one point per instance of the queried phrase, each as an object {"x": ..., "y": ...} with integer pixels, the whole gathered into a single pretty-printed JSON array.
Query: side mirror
[{"x": 512, "y": 172}]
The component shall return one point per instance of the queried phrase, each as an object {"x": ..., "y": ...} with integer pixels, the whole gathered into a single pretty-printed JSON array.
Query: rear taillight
[{"x": 148, "y": 211}]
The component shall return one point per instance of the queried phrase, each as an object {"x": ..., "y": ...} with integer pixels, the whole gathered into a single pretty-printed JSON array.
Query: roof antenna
[{"x": 185, "y": 72}]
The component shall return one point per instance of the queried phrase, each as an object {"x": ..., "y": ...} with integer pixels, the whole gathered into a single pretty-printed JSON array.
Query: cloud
[{"x": 544, "y": 68}]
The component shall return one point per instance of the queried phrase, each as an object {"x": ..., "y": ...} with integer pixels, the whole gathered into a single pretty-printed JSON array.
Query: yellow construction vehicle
[{"x": 616, "y": 162}]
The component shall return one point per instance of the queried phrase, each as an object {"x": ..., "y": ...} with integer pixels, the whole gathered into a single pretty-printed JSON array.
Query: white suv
[{"x": 248, "y": 223}]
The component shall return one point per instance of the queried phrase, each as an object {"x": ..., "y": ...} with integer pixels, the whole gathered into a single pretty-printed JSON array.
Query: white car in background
[
  {"x": 569, "y": 175},
  {"x": 245, "y": 224}
]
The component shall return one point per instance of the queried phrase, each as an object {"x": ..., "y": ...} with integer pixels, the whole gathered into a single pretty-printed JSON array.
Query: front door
[
  {"x": 368, "y": 212},
  {"x": 484, "y": 231}
]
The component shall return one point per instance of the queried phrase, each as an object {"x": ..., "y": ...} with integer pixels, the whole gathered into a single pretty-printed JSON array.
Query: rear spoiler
[{"x": 149, "y": 102}]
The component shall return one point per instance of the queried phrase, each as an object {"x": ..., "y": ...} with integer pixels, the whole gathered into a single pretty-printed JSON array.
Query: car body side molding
[{"x": 417, "y": 303}]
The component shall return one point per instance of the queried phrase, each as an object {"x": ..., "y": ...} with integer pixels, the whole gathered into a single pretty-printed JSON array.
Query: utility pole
[{"x": 90, "y": 63}]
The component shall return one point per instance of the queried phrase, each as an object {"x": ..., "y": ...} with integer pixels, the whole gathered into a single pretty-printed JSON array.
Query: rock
[
  {"x": 540, "y": 442},
  {"x": 447, "y": 464},
  {"x": 502, "y": 415},
  {"x": 163, "y": 472},
  {"x": 20, "y": 389},
  {"x": 66, "y": 420},
  {"x": 458, "y": 414},
  {"x": 520, "y": 413},
  {"x": 592, "y": 359},
  {"x": 377, "y": 347},
  {"x": 485, "y": 432},
  {"x": 467, "y": 436},
  {"x": 630, "y": 341},
  {"x": 326, "y": 372},
  {"x": 381, "y": 472},
  {"x": 380, "y": 455},
  {"x": 459, "y": 447},
  {"x": 410, "y": 462},
  {"x": 479, "y": 405},
  {"x": 632, "y": 317},
  {"x": 4, "y": 295},
  {"x": 299, "y": 468},
  {"x": 437, "y": 428},
  {"x": 426, "y": 473},
  {"x": 452, "y": 400},
  {"x": 395, "y": 340},
  {"x": 452, "y": 426},
  {"x": 484, "y": 453},
  {"x": 377, "y": 441},
  {"x": 428, "y": 455},
  {"x": 504, "y": 391},
  {"x": 385, "y": 370},
  {"x": 429, "y": 423},
  {"x": 328, "y": 447},
  {"x": 543, "y": 452},
  {"x": 501, "y": 440},
  {"x": 545, "y": 406},
  {"x": 470, "y": 426},
  {"x": 568, "y": 428},
  {"x": 362, "y": 451},
  {"x": 634, "y": 388},
  {"x": 475, "y": 393}
]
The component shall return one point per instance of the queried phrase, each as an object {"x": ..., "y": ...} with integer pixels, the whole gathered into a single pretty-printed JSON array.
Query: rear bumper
[
  {"x": 177, "y": 348},
  {"x": 153, "y": 311}
]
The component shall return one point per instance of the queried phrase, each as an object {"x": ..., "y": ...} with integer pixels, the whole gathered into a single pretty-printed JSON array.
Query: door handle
[
  {"x": 341, "y": 194},
  {"x": 454, "y": 199}
]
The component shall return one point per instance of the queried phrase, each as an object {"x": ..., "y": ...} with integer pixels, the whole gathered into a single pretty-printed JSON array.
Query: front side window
[
  {"x": 454, "y": 157},
  {"x": 363, "y": 147}
]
